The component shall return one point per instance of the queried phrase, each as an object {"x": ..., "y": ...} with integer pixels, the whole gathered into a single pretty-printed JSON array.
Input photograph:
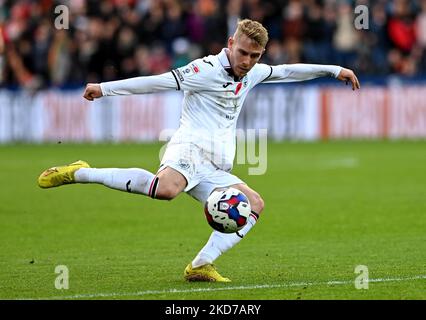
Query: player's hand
[
  {"x": 93, "y": 91},
  {"x": 348, "y": 75}
]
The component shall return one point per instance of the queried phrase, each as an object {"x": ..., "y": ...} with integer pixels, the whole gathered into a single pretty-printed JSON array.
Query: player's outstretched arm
[
  {"x": 92, "y": 91},
  {"x": 137, "y": 85},
  {"x": 348, "y": 75},
  {"x": 303, "y": 72}
]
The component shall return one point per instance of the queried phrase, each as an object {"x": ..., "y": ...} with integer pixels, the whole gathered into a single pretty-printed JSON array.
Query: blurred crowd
[{"x": 115, "y": 39}]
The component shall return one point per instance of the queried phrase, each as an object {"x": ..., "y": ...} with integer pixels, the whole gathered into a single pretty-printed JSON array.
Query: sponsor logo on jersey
[
  {"x": 208, "y": 62},
  {"x": 128, "y": 186},
  {"x": 179, "y": 74}
]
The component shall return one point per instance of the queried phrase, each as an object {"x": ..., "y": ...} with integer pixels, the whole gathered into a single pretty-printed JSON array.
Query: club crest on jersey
[
  {"x": 184, "y": 164},
  {"x": 245, "y": 81}
]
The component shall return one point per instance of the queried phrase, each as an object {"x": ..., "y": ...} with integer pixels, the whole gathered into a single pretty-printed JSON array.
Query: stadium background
[
  {"x": 330, "y": 205},
  {"x": 109, "y": 40}
]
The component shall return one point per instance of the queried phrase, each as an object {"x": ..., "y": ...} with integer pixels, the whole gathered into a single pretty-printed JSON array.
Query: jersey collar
[{"x": 224, "y": 61}]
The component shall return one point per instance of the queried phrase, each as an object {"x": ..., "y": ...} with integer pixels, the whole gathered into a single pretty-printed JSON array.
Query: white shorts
[{"x": 201, "y": 174}]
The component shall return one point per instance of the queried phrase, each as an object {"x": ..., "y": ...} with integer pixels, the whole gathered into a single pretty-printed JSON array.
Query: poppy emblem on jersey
[
  {"x": 239, "y": 85},
  {"x": 190, "y": 70},
  {"x": 195, "y": 68}
]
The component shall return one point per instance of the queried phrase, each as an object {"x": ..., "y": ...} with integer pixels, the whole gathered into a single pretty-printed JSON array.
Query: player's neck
[{"x": 230, "y": 70}]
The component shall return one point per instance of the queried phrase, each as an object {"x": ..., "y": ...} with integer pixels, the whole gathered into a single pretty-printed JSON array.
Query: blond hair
[{"x": 254, "y": 30}]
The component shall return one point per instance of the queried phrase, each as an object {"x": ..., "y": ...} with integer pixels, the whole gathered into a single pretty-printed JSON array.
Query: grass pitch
[{"x": 329, "y": 208}]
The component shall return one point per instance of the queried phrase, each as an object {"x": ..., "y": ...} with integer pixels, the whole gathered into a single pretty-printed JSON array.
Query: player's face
[{"x": 244, "y": 53}]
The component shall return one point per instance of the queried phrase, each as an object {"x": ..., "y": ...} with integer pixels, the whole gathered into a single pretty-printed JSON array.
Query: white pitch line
[{"x": 249, "y": 287}]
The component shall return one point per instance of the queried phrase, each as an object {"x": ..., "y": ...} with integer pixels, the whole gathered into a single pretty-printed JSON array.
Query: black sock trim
[
  {"x": 154, "y": 188},
  {"x": 255, "y": 214}
]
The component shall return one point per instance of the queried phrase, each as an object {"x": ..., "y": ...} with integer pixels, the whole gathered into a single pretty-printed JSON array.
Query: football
[{"x": 227, "y": 210}]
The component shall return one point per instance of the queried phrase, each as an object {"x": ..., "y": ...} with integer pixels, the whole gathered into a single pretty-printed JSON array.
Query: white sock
[
  {"x": 220, "y": 242},
  {"x": 131, "y": 180}
]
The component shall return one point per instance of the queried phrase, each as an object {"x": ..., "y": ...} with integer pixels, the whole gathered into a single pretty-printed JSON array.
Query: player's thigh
[
  {"x": 171, "y": 183},
  {"x": 209, "y": 178},
  {"x": 256, "y": 201}
]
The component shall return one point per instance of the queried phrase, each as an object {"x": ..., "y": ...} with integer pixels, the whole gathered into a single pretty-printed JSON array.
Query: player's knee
[
  {"x": 170, "y": 184},
  {"x": 167, "y": 192}
]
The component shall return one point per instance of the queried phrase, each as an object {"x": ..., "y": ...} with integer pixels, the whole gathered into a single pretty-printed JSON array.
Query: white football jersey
[{"x": 213, "y": 98}]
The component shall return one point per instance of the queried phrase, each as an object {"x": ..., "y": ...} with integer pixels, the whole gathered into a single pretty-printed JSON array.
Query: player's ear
[{"x": 230, "y": 42}]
